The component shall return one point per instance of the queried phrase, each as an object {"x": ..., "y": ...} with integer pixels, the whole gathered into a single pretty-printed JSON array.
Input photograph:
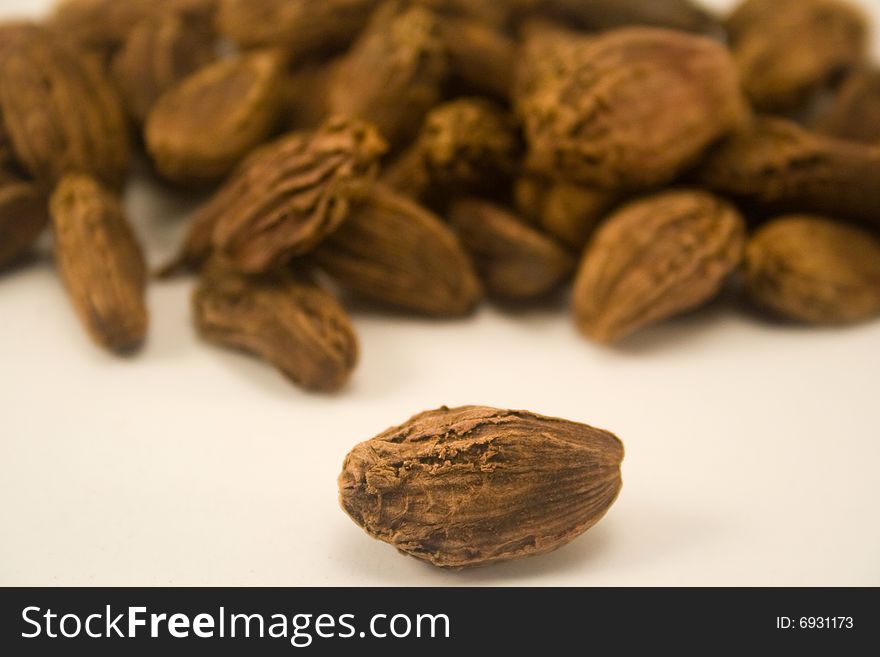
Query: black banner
[{"x": 430, "y": 621}]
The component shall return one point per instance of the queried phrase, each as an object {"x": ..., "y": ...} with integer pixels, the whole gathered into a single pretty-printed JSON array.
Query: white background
[{"x": 752, "y": 449}]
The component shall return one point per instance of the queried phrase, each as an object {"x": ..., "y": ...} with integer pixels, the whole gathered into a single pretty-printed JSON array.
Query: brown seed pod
[
  {"x": 158, "y": 53},
  {"x": 855, "y": 113},
  {"x": 394, "y": 73},
  {"x": 814, "y": 270},
  {"x": 290, "y": 195},
  {"x": 682, "y": 15},
  {"x": 656, "y": 258},
  {"x": 473, "y": 486},
  {"x": 24, "y": 215},
  {"x": 783, "y": 167},
  {"x": 465, "y": 144},
  {"x": 609, "y": 110},
  {"x": 788, "y": 49},
  {"x": 516, "y": 262},
  {"x": 569, "y": 212},
  {"x": 100, "y": 262},
  {"x": 199, "y": 130},
  {"x": 61, "y": 114},
  {"x": 286, "y": 320},
  {"x": 393, "y": 251},
  {"x": 301, "y": 28}
]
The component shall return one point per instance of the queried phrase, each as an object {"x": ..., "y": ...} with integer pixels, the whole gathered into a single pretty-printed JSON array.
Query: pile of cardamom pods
[{"x": 427, "y": 154}]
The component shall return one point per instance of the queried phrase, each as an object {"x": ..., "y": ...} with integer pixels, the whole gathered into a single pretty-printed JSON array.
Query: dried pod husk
[
  {"x": 656, "y": 258},
  {"x": 284, "y": 319},
  {"x": 24, "y": 214},
  {"x": 291, "y": 194},
  {"x": 300, "y": 185},
  {"x": 515, "y": 261},
  {"x": 482, "y": 58},
  {"x": 301, "y": 28},
  {"x": 569, "y": 212},
  {"x": 472, "y": 486},
  {"x": 786, "y": 50},
  {"x": 394, "y": 73},
  {"x": 393, "y": 251},
  {"x": 855, "y": 112},
  {"x": 61, "y": 114},
  {"x": 200, "y": 129},
  {"x": 684, "y": 15},
  {"x": 100, "y": 261},
  {"x": 608, "y": 110},
  {"x": 814, "y": 270},
  {"x": 465, "y": 144},
  {"x": 158, "y": 53},
  {"x": 780, "y": 167}
]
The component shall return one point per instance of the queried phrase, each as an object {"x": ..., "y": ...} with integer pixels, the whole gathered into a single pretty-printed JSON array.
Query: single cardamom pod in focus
[
  {"x": 100, "y": 262},
  {"x": 855, "y": 113},
  {"x": 396, "y": 252},
  {"x": 782, "y": 167},
  {"x": 290, "y": 195},
  {"x": 158, "y": 53},
  {"x": 394, "y": 73},
  {"x": 786, "y": 50},
  {"x": 473, "y": 486},
  {"x": 286, "y": 320},
  {"x": 303, "y": 29},
  {"x": 468, "y": 144},
  {"x": 656, "y": 258},
  {"x": 607, "y": 110},
  {"x": 814, "y": 270},
  {"x": 61, "y": 114},
  {"x": 199, "y": 130},
  {"x": 24, "y": 214},
  {"x": 515, "y": 261}
]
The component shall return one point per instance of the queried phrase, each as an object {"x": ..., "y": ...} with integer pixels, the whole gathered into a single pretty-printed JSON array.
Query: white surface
[{"x": 752, "y": 449}]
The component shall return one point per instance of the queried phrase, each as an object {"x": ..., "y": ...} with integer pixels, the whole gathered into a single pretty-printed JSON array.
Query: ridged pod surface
[
  {"x": 61, "y": 114},
  {"x": 286, "y": 320},
  {"x": 395, "y": 252},
  {"x": 630, "y": 108},
  {"x": 101, "y": 262},
  {"x": 290, "y": 195},
  {"x": 474, "y": 485},
  {"x": 656, "y": 258}
]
